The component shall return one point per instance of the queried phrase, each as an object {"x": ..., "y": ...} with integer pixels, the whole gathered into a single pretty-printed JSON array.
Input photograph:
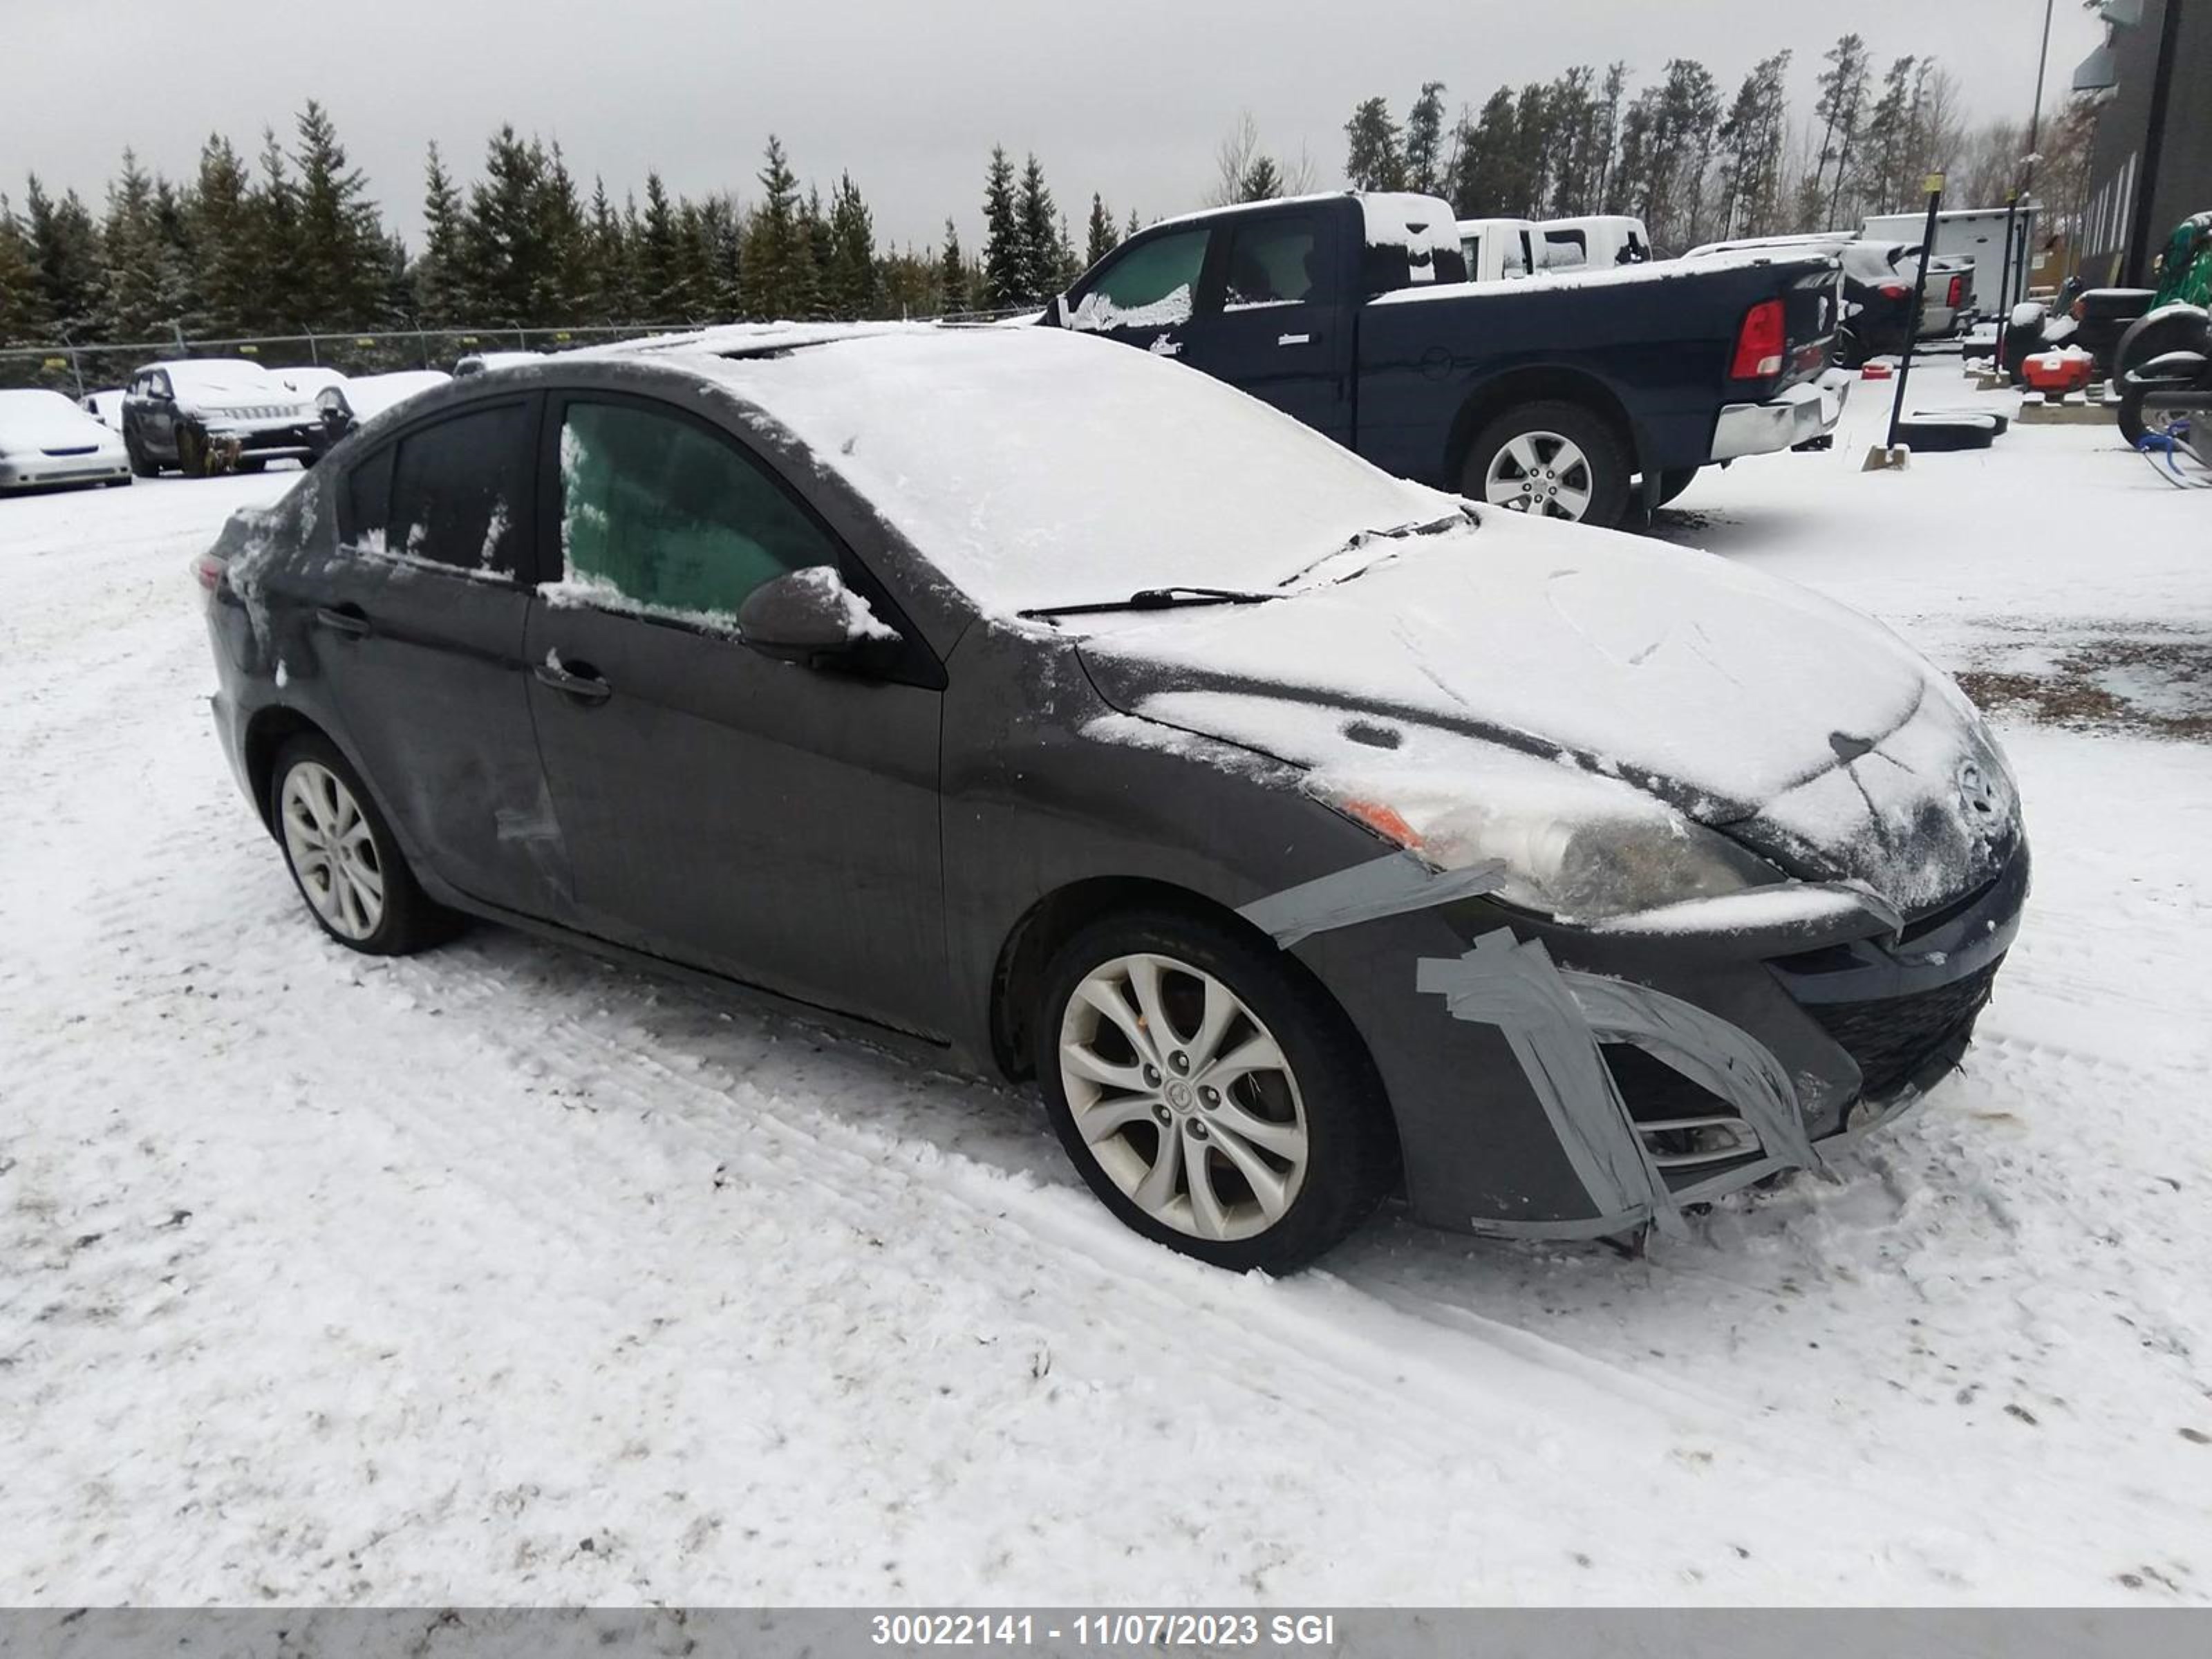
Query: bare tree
[{"x": 1232, "y": 160}]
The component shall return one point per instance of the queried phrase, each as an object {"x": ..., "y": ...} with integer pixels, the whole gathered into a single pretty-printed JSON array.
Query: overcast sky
[{"x": 1129, "y": 97}]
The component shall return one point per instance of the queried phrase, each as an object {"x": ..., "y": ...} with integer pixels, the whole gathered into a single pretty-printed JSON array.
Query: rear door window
[
  {"x": 452, "y": 492},
  {"x": 661, "y": 517},
  {"x": 1276, "y": 261}
]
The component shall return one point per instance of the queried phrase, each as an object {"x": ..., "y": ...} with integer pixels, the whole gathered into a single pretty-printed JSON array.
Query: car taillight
[
  {"x": 1759, "y": 342},
  {"x": 2079, "y": 311},
  {"x": 207, "y": 570},
  {"x": 1892, "y": 290},
  {"x": 1957, "y": 294}
]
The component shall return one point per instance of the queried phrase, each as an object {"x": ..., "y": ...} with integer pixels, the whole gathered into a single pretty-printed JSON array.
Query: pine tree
[
  {"x": 1262, "y": 181},
  {"x": 1100, "y": 238},
  {"x": 23, "y": 316},
  {"x": 130, "y": 270},
  {"x": 504, "y": 251},
  {"x": 1039, "y": 239},
  {"x": 441, "y": 275},
  {"x": 1840, "y": 111},
  {"x": 613, "y": 298},
  {"x": 219, "y": 214},
  {"x": 1751, "y": 150},
  {"x": 1006, "y": 265},
  {"x": 1878, "y": 183},
  {"x": 1135, "y": 226},
  {"x": 951, "y": 274},
  {"x": 661, "y": 289},
  {"x": 1488, "y": 148},
  {"x": 853, "y": 288},
  {"x": 337, "y": 276},
  {"x": 1425, "y": 138},
  {"x": 65, "y": 249},
  {"x": 1372, "y": 160},
  {"x": 274, "y": 235},
  {"x": 722, "y": 233},
  {"x": 815, "y": 225},
  {"x": 778, "y": 260},
  {"x": 1609, "y": 96}
]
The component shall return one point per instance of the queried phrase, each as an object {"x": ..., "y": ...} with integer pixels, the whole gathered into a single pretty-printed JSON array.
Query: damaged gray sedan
[{"x": 1056, "y": 712}]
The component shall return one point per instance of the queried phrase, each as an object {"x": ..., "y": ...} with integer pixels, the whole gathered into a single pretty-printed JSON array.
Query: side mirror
[
  {"x": 1055, "y": 312},
  {"x": 809, "y": 616}
]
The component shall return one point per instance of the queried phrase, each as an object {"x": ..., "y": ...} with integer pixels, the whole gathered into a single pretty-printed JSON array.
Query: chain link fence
[{"x": 80, "y": 367}]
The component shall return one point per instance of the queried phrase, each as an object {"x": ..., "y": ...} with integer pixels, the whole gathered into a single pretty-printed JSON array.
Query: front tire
[
  {"x": 1210, "y": 1094},
  {"x": 344, "y": 857},
  {"x": 1553, "y": 460}
]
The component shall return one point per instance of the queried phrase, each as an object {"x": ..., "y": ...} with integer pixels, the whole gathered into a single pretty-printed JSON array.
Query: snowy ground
[{"x": 497, "y": 1275}]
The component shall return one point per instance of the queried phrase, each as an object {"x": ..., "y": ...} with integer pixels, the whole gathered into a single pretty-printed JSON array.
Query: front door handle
[
  {"x": 584, "y": 687},
  {"x": 346, "y": 619},
  {"x": 1294, "y": 340}
]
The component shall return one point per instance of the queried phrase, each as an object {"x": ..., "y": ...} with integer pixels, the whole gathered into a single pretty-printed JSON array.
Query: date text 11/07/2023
[{"x": 1104, "y": 1630}]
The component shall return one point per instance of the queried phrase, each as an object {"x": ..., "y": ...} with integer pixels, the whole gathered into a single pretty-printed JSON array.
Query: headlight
[{"x": 1577, "y": 846}]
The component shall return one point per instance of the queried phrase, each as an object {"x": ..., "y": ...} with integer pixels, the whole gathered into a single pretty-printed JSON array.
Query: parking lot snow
[{"x": 500, "y": 1275}]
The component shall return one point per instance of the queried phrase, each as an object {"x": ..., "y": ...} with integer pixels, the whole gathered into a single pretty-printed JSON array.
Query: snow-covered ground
[{"x": 499, "y": 1275}]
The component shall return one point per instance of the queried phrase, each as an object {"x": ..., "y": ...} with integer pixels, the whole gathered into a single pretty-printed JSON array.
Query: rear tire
[
  {"x": 142, "y": 465},
  {"x": 2154, "y": 335},
  {"x": 1291, "y": 1137},
  {"x": 1555, "y": 459},
  {"x": 344, "y": 857}
]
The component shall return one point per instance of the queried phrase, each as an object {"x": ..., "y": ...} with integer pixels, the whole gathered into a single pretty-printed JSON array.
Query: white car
[
  {"x": 310, "y": 380},
  {"x": 106, "y": 407},
  {"x": 45, "y": 439},
  {"x": 478, "y": 362},
  {"x": 344, "y": 406}
]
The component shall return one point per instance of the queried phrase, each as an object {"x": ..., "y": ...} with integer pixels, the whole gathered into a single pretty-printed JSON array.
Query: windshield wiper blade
[
  {"x": 1451, "y": 520},
  {"x": 1155, "y": 598}
]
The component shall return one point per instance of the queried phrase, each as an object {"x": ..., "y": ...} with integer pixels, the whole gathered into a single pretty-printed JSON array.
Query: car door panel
[
  {"x": 774, "y": 823},
  {"x": 422, "y": 658}
]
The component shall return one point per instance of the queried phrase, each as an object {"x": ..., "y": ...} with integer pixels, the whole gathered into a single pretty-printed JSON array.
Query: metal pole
[
  {"x": 1935, "y": 187},
  {"x": 2027, "y": 169}
]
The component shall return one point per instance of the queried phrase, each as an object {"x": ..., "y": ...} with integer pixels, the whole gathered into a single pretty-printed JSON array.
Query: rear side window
[
  {"x": 1275, "y": 262},
  {"x": 448, "y": 494},
  {"x": 661, "y": 516},
  {"x": 1564, "y": 249},
  {"x": 1156, "y": 281}
]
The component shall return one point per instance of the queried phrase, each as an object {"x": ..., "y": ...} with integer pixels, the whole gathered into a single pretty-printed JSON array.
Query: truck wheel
[
  {"x": 1554, "y": 459},
  {"x": 192, "y": 451},
  {"x": 142, "y": 465}
]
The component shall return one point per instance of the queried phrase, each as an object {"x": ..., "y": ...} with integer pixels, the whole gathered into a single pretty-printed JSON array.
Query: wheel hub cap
[
  {"x": 1541, "y": 473},
  {"x": 1184, "y": 1097},
  {"x": 332, "y": 850}
]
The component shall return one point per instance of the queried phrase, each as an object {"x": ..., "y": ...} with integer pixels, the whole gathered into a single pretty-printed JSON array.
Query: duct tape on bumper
[{"x": 1555, "y": 1020}]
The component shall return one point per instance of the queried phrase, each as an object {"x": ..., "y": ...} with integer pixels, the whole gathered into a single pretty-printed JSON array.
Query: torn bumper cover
[{"x": 1664, "y": 1072}]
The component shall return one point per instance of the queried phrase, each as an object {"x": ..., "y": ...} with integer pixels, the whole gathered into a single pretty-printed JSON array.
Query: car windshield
[{"x": 1036, "y": 467}]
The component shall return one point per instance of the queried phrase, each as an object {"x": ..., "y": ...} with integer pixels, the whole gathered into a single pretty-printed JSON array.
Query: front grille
[{"x": 1892, "y": 1038}]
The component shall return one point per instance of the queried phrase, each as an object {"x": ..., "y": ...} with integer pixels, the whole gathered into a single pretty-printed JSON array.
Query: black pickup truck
[{"x": 1556, "y": 394}]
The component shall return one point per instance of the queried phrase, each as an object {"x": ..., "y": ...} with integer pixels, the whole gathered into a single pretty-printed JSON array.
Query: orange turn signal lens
[{"x": 1384, "y": 821}]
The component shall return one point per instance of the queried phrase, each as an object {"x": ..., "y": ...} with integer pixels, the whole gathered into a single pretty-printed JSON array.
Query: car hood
[
  {"x": 32, "y": 428},
  {"x": 1801, "y": 729}
]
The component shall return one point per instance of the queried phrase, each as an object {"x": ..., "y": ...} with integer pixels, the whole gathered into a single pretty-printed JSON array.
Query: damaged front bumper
[
  {"x": 1552, "y": 1082},
  {"x": 1801, "y": 415}
]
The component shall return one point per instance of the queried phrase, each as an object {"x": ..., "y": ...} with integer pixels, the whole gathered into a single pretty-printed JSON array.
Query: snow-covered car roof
[
  {"x": 365, "y": 395},
  {"x": 1038, "y": 466},
  {"x": 46, "y": 420},
  {"x": 218, "y": 374}
]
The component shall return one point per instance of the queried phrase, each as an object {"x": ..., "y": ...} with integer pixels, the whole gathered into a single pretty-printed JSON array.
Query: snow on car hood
[
  {"x": 32, "y": 421},
  {"x": 1802, "y": 729}
]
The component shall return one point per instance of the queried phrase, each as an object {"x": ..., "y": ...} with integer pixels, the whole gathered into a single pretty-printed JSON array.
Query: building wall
[{"x": 2120, "y": 237}]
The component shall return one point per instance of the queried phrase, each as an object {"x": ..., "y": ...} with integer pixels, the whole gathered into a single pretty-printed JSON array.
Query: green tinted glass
[{"x": 672, "y": 517}]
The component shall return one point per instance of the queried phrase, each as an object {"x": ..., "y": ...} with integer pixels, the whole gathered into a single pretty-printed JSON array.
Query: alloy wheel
[
  {"x": 1540, "y": 472},
  {"x": 1183, "y": 1097},
  {"x": 333, "y": 850}
]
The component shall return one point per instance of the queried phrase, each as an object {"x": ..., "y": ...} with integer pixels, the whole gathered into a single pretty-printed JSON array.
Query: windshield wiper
[
  {"x": 1451, "y": 520},
  {"x": 1155, "y": 598}
]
